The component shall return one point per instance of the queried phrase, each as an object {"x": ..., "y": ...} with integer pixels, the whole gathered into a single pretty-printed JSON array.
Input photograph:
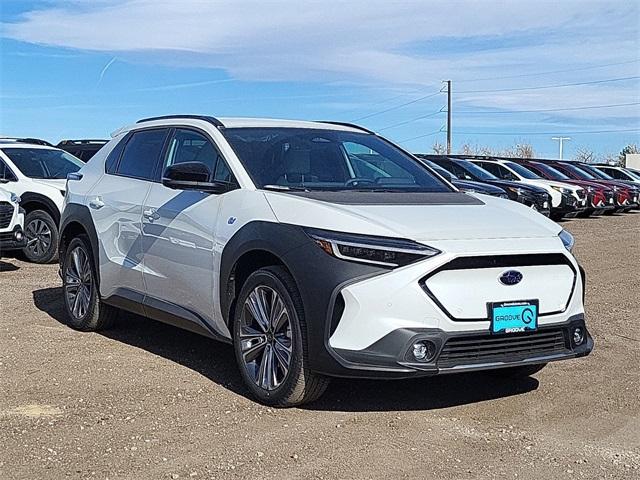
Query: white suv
[
  {"x": 37, "y": 173},
  {"x": 566, "y": 199},
  {"x": 317, "y": 249},
  {"x": 11, "y": 222}
]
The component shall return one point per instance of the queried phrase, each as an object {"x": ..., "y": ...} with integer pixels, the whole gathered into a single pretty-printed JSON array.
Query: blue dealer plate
[{"x": 514, "y": 317}]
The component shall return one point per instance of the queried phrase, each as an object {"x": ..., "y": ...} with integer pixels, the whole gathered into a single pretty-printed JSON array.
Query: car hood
[
  {"x": 58, "y": 183},
  {"x": 480, "y": 187},
  {"x": 422, "y": 219},
  {"x": 553, "y": 183},
  {"x": 524, "y": 186}
]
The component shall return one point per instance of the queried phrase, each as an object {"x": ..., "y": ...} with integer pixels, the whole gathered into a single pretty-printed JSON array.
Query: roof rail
[
  {"x": 212, "y": 120},
  {"x": 82, "y": 141},
  {"x": 33, "y": 141},
  {"x": 346, "y": 124}
]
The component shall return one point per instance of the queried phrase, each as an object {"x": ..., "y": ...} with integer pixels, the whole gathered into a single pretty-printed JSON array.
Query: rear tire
[
  {"x": 85, "y": 310},
  {"x": 518, "y": 372},
  {"x": 42, "y": 237},
  {"x": 270, "y": 343}
]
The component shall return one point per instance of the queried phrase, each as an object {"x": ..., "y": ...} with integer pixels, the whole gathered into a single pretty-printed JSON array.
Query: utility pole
[
  {"x": 561, "y": 140},
  {"x": 448, "y": 82}
]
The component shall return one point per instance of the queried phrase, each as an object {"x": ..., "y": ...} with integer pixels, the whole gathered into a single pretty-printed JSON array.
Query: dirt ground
[{"x": 148, "y": 401}]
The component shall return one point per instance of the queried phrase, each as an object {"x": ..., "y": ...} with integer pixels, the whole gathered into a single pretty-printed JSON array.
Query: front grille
[
  {"x": 6, "y": 213},
  {"x": 541, "y": 198},
  {"x": 486, "y": 348}
]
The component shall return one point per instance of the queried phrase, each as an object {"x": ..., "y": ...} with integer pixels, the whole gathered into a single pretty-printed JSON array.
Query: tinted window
[
  {"x": 112, "y": 160},
  {"x": 317, "y": 159},
  {"x": 548, "y": 172},
  {"x": 522, "y": 171},
  {"x": 191, "y": 146},
  {"x": 43, "y": 162},
  {"x": 5, "y": 173},
  {"x": 141, "y": 154}
]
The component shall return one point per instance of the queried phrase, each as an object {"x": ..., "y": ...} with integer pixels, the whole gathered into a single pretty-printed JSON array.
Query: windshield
[
  {"x": 315, "y": 159},
  {"x": 596, "y": 173},
  {"x": 522, "y": 171},
  {"x": 551, "y": 172},
  {"x": 580, "y": 173},
  {"x": 475, "y": 171},
  {"x": 635, "y": 175},
  {"x": 43, "y": 162}
]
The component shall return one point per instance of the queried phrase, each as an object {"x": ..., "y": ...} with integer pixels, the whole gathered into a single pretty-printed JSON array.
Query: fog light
[
  {"x": 424, "y": 350},
  {"x": 18, "y": 236},
  {"x": 578, "y": 336}
]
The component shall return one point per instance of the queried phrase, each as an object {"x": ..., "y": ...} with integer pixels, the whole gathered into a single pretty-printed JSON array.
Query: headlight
[
  {"x": 562, "y": 190},
  {"x": 388, "y": 252},
  {"x": 567, "y": 239},
  {"x": 590, "y": 189},
  {"x": 517, "y": 190},
  {"x": 15, "y": 198}
]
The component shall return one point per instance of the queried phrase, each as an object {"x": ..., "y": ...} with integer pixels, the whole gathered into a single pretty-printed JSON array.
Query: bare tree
[
  {"x": 610, "y": 158},
  {"x": 583, "y": 154},
  {"x": 438, "y": 148},
  {"x": 469, "y": 149}
]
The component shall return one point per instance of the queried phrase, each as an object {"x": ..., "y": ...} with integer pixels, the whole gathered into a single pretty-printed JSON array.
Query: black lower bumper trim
[
  {"x": 392, "y": 357},
  {"x": 9, "y": 240}
]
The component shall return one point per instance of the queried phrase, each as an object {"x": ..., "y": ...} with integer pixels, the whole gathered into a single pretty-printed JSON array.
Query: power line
[
  {"x": 542, "y": 87},
  {"x": 396, "y": 107},
  {"x": 442, "y": 110},
  {"x": 552, "y": 133},
  {"x": 550, "y": 72},
  {"x": 550, "y": 109},
  {"x": 422, "y": 136}
]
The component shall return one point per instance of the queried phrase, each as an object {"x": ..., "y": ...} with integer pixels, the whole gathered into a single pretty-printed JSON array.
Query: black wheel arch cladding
[
  {"x": 318, "y": 276},
  {"x": 78, "y": 214}
]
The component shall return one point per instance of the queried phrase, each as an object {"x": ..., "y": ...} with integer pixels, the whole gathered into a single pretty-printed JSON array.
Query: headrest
[{"x": 297, "y": 161}]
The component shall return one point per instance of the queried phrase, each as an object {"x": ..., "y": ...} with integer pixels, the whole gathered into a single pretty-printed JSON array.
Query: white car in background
[
  {"x": 11, "y": 222},
  {"x": 566, "y": 199},
  {"x": 37, "y": 174}
]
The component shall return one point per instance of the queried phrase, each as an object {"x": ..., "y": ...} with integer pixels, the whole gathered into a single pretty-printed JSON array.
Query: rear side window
[
  {"x": 141, "y": 154},
  {"x": 112, "y": 160}
]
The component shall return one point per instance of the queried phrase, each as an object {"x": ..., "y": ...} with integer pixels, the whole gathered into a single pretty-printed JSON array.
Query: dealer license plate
[{"x": 514, "y": 317}]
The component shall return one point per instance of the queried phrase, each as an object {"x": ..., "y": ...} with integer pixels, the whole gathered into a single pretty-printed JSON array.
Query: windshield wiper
[{"x": 285, "y": 188}]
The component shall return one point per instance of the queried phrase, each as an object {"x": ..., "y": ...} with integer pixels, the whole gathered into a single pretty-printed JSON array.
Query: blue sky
[{"x": 80, "y": 69}]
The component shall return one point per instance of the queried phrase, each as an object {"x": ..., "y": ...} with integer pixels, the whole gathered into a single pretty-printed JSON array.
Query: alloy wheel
[
  {"x": 38, "y": 237},
  {"x": 78, "y": 282},
  {"x": 265, "y": 338}
]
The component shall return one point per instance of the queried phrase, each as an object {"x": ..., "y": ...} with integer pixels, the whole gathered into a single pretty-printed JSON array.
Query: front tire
[
  {"x": 85, "y": 310},
  {"x": 269, "y": 339},
  {"x": 42, "y": 237}
]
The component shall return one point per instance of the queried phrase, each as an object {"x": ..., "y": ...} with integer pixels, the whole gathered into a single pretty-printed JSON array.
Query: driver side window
[{"x": 187, "y": 145}]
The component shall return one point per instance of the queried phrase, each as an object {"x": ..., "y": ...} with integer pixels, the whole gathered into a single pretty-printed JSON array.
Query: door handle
[
  {"x": 96, "y": 203},
  {"x": 151, "y": 214}
]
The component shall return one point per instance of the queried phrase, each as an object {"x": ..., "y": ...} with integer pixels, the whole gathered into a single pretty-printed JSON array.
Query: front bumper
[
  {"x": 568, "y": 206},
  {"x": 13, "y": 240},
  {"x": 456, "y": 352},
  {"x": 540, "y": 202}
]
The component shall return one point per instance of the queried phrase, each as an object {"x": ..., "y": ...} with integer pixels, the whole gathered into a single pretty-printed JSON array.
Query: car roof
[
  {"x": 4, "y": 144},
  {"x": 242, "y": 122}
]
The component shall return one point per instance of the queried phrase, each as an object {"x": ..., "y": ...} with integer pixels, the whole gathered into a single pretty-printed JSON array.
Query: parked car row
[{"x": 568, "y": 188}]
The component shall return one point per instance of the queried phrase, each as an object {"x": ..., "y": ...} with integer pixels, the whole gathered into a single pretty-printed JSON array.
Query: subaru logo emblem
[{"x": 510, "y": 277}]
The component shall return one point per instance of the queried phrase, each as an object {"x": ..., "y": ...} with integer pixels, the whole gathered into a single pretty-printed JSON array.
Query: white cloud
[{"x": 402, "y": 43}]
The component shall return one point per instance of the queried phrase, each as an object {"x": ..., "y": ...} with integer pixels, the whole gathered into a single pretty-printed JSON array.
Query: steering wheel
[{"x": 352, "y": 182}]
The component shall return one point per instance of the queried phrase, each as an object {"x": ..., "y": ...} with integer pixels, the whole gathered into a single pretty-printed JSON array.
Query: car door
[
  {"x": 115, "y": 203},
  {"x": 179, "y": 233}
]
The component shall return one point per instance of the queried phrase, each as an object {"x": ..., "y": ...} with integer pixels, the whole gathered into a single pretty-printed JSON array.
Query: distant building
[{"x": 632, "y": 160}]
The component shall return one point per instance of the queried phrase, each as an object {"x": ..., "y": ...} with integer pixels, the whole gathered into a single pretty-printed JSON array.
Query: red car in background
[
  {"x": 623, "y": 198},
  {"x": 600, "y": 197}
]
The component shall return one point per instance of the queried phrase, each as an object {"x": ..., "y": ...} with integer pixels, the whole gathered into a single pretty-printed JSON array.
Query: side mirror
[{"x": 192, "y": 176}]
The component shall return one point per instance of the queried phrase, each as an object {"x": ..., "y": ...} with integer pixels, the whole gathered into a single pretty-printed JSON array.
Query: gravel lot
[{"x": 145, "y": 400}]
